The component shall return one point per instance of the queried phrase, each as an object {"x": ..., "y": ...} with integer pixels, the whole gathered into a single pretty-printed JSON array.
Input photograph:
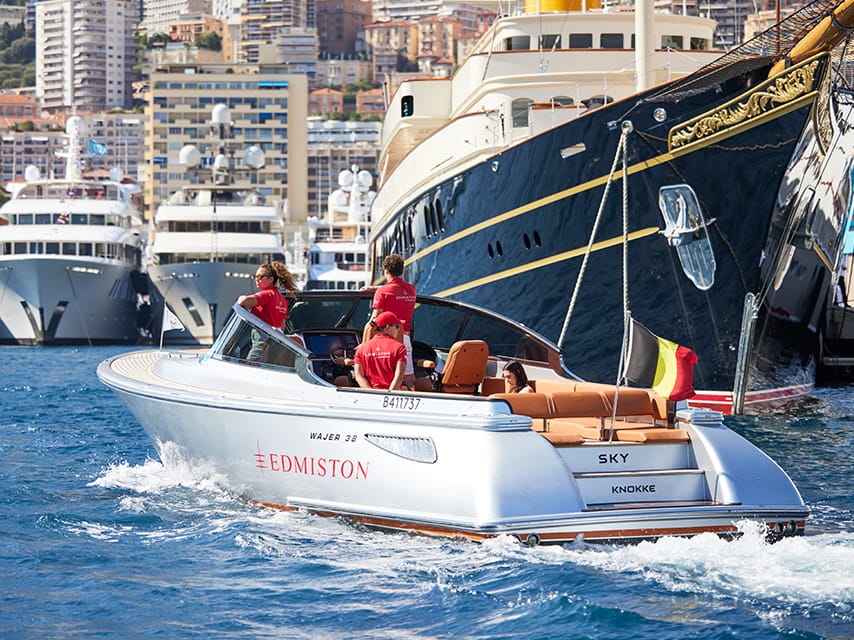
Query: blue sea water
[{"x": 99, "y": 538}]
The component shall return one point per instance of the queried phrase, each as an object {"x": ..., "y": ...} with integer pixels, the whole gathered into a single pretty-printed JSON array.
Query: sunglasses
[{"x": 266, "y": 275}]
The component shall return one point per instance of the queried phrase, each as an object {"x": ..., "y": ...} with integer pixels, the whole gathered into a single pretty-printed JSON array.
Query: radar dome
[
  {"x": 345, "y": 178},
  {"x": 75, "y": 124},
  {"x": 221, "y": 162},
  {"x": 337, "y": 199},
  {"x": 190, "y": 155},
  {"x": 253, "y": 157},
  {"x": 365, "y": 178},
  {"x": 221, "y": 114},
  {"x": 116, "y": 174},
  {"x": 32, "y": 173}
]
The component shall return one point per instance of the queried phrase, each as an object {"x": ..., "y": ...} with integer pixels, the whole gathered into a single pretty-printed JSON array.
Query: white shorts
[{"x": 410, "y": 365}]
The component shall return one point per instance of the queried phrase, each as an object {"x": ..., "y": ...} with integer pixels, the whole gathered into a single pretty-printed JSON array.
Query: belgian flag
[{"x": 661, "y": 364}]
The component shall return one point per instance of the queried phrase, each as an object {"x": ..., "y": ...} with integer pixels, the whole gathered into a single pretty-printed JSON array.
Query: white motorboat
[
  {"x": 208, "y": 238},
  {"x": 571, "y": 461},
  {"x": 338, "y": 242},
  {"x": 70, "y": 252}
]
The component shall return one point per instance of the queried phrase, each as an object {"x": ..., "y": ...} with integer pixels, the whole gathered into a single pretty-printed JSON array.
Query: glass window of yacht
[
  {"x": 100, "y": 250},
  {"x": 43, "y": 218},
  {"x": 52, "y": 248},
  {"x": 79, "y": 218},
  {"x": 7, "y": 248},
  {"x": 611, "y": 41},
  {"x": 25, "y": 218},
  {"x": 97, "y": 218},
  {"x": 36, "y": 247},
  {"x": 671, "y": 42},
  {"x": 407, "y": 106},
  {"x": 20, "y": 248},
  {"x": 519, "y": 111},
  {"x": 84, "y": 249},
  {"x": 550, "y": 41},
  {"x": 69, "y": 248},
  {"x": 517, "y": 43},
  {"x": 562, "y": 101},
  {"x": 699, "y": 44},
  {"x": 580, "y": 40}
]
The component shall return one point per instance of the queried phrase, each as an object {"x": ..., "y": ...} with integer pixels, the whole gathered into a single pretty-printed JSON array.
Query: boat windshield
[
  {"x": 436, "y": 322},
  {"x": 248, "y": 340}
]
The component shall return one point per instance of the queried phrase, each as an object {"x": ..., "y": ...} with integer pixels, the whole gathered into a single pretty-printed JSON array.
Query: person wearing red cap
[
  {"x": 380, "y": 363},
  {"x": 397, "y": 296}
]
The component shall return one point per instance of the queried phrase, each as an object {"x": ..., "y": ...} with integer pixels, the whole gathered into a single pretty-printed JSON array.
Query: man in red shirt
[
  {"x": 380, "y": 362},
  {"x": 397, "y": 296}
]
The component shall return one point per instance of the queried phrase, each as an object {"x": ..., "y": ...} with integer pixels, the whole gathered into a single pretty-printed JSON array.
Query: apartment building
[
  {"x": 269, "y": 108},
  {"x": 85, "y": 52},
  {"x": 334, "y": 146}
]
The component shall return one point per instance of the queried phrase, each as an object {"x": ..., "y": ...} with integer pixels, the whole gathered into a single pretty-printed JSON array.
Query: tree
[
  {"x": 209, "y": 40},
  {"x": 21, "y": 51}
]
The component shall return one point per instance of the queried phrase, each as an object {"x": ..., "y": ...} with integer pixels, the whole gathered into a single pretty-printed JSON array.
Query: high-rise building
[
  {"x": 268, "y": 108},
  {"x": 158, "y": 14},
  {"x": 262, "y": 23},
  {"x": 340, "y": 27},
  {"x": 415, "y": 10},
  {"x": 85, "y": 52}
]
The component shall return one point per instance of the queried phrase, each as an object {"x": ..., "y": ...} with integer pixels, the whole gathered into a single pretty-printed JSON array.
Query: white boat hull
[
  {"x": 398, "y": 461},
  {"x": 66, "y": 300},
  {"x": 201, "y": 295}
]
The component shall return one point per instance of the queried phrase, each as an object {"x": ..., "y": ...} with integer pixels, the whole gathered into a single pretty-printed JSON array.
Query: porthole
[
  {"x": 440, "y": 216},
  {"x": 527, "y": 241},
  {"x": 498, "y": 248},
  {"x": 537, "y": 240},
  {"x": 489, "y": 251}
]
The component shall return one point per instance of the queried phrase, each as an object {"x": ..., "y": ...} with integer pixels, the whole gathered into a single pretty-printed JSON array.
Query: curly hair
[
  {"x": 394, "y": 265},
  {"x": 281, "y": 276}
]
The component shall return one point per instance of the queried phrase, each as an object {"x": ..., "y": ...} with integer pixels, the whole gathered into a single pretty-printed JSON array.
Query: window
[
  {"x": 699, "y": 44},
  {"x": 519, "y": 111},
  {"x": 671, "y": 42},
  {"x": 550, "y": 41},
  {"x": 407, "y": 106},
  {"x": 580, "y": 40},
  {"x": 611, "y": 41},
  {"x": 517, "y": 43}
]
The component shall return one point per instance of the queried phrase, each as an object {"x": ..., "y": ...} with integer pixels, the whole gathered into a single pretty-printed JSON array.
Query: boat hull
[
  {"x": 396, "y": 461},
  {"x": 60, "y": 300},
  {"x": 513, "y": 233},
  {"x": 200, "y": 294}
]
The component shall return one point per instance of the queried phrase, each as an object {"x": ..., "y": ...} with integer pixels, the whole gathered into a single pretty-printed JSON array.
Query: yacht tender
[{"x": 572, "y": 461}]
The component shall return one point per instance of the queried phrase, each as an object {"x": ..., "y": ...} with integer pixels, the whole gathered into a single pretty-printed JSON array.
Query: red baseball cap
[{"x": 385, "y": 319}]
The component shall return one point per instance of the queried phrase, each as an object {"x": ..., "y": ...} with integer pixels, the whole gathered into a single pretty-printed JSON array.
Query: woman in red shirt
[{"x": 269, "y": 304}]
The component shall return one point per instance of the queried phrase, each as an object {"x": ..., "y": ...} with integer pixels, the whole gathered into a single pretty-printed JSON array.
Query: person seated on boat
[
  {"x": 397, "y": 296},
  {"x": 515, "y": 378},
  {"x": 268, "y": 303},
  {"x": 380, "y": 363}
]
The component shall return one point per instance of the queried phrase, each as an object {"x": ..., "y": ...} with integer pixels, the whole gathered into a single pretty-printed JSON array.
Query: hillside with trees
[{"x": 17, "y": 53}]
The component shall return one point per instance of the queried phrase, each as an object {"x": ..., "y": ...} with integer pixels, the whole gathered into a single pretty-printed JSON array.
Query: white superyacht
[
  {"x": 208, "y": 238},
  {"x": 69, "y": 252},
  {"x": 338, "y": 242}
]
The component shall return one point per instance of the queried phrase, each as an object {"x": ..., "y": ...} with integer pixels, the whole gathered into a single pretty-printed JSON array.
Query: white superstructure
[
  {"x": 338, "y": 242},
  {"x": 208, "y": 239},
  {"x": 69, "y": 249}
]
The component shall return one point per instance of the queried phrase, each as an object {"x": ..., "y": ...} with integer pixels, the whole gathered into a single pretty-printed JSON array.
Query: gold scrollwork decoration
[{"x": 796, "y": 82}]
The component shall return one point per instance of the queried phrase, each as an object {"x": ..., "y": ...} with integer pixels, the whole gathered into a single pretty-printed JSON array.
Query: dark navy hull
[{"x": 510, "y": 233}]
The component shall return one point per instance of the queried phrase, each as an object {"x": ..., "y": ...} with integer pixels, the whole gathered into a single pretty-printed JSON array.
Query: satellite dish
[
  {"x": 189, "y": 155},
  {"x": 116, "y": 174},
  {"x": 75, "y": 125},
  {"x": 345, "y": 178},
  {"x": 32, "y": 173},
  {"x": 221, "y": 162},
  {"x": 253, "y": 157},
  {"x": 365, "y": 178},
  {"x": 221, "y": 114}
]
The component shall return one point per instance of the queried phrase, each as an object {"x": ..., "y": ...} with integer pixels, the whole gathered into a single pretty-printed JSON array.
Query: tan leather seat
[{"x": 465, "y": 366}]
